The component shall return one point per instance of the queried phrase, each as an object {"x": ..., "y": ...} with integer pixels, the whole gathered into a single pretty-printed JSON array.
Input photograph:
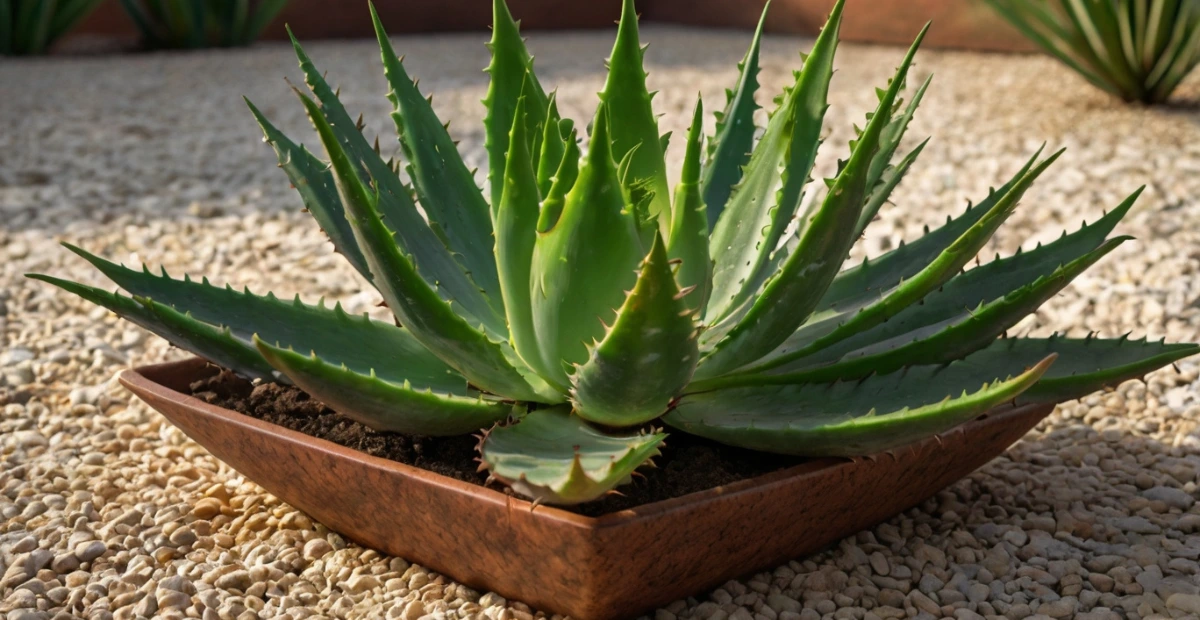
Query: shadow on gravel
[{"x": 1064, "y": 523}]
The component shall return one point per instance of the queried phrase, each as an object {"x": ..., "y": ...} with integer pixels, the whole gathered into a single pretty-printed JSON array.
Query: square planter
[{"x": 614, "y": 566}]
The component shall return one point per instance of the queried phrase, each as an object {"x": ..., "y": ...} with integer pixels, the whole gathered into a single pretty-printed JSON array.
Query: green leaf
[
  {"x": 1180, "y": 56},
  {"x": 415, "y": 236},
  {"x": 264, "y": 14},
  {"x": 872, "y": 307},
  {"x": 39, "y": 26},
  {"x": 516, "y": 235},
  {"x": 648, "y": 355},
  {"x": 947, "y": 326},
  {"x": 888, "y": 182},
  {"x": 553, "y": 147},
  {"x": 313, "y": 180},
  {"x": 511, "y": 65},
  {"x": 689, "y": 229},
  {"x": 356, "y": 341},
  {"x": 582, "y": 265},
  {"x": 1084, "y": 364},
  {"x": 729, "y": 149},
  {"x": 490, "y": 365},
  {"x": 855, "y": 418},
  {"x": 445, "y": 187},
  {"x": 215, "y": 344},
  {"x": 883, "y": 177},
  {"x": 634, "y": 125},
  {"x": 1040, "y": 25},
  {"x": 768, "y": 196},
  {"x": 384, "y": 405},
  {"x": 795, "y": 290},
  {"x": 561, "y": 183},
  {"x": 885, "y": 271},
  {"x": 1138, "y": 50},
  {"x": 1096, "y": 22},
  {"x": 553, "y": 457}
]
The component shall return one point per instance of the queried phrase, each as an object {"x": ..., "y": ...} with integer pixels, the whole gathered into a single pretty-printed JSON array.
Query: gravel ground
[{"x": 108, "y": 512}]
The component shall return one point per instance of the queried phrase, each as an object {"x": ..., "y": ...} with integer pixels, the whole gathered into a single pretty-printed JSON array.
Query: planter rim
[{"x": 136, "y": 377}]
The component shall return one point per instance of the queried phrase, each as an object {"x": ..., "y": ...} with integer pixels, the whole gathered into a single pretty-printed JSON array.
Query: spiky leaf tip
[
  {"x": 646, "y": 357},
  {"x": 553, "y": 457}
]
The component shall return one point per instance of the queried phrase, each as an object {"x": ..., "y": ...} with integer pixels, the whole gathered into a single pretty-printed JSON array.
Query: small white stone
[{"x": 88, "y": 551}]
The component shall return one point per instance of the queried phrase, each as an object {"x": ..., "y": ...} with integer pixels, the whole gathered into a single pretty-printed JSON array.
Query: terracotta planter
[
  {"x": 961, "y": 24},
  {"x": 613, "y": 566}
]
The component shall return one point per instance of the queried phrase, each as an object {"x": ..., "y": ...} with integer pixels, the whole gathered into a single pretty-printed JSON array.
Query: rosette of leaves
[
  {"x": 580, "y": 304},
  {"x": 31, "y": 26},
  {"x": 180, "y": 24},
  {"x": 1138, "y": 50}
]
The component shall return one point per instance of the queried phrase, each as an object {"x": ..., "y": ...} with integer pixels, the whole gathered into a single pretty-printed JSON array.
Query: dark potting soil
[{"x": 687, "y": 464}]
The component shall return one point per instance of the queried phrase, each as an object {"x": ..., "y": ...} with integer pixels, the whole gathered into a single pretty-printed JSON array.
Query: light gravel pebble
[{"x": 109, "y": 512}]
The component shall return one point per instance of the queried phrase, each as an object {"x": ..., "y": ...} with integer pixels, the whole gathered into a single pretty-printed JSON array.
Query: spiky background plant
[
  {"x": 31, "y": 26},
  {"x": 1138, "y": 50},
  {"x": 584, "y": 300},
  {"x": 178, "y": 24}
]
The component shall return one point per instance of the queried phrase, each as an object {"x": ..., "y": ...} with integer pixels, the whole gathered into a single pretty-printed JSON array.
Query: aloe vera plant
[
  {"x": 1138, "y": 50},
  {"x": 579, "y": 305},
  {"x": 31, "y": 26},
  {"x": 178, "y": 24}
]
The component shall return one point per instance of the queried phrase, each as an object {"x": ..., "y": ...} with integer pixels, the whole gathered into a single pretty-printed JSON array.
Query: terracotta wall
[
  {"x": 313, "y": 19},
  {"x": 964, "y": 24},
  {"x": 957, "y": 23}
]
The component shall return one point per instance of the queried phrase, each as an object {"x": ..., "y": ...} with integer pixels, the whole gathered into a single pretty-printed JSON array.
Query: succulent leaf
[
  {"x": 891, "y": 178},
  {"x": 490, "y": 365},
  {"x": 647, "y": 356},
  {"x": 213, "y": 343},
  {"x": 883, "y": 177},
  {"x": 582, "y": 265},
  {"x": 889, "y": 269},
  {"x": 729, "y": 149},
  {"x": 561, "y": 183},
  {"x": 946, "y": 327},
  {"x": 872, "y": 307},
  {"x": 445, "y": 187},
  {"x": 355, "y": 341},
  {"x": 795, "y": 290},
  {"x": 634, "y": 131},
  {"x": 384, "y": 405},
  {"x": 768, "y": 196},
  {"x": 554, "y": 457},
  {"x": 1138, "y": 50},
  {"x": 313, "y": 180},
  {"x": 851, "y": 418},
  {"x": 516, "y": 235},
  {"x": 511, "y": 66},
  {"x": 555, "y": 135},
  {"x": 423, "y": 240},
  {"x": 1084, "y": 364},
  {"x": 689, "y": 229}
]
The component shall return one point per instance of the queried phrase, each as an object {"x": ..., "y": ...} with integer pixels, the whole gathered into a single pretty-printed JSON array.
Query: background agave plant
[
  {"x": 1138, "y": 50},
  {"x": 174, "y": 24},
  {"x": 585, "y": 300},
  {"x": 31, "y": 26}
]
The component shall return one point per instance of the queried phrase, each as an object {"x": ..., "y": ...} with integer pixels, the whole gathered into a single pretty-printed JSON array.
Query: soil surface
[{"x": 688, "y": 464}]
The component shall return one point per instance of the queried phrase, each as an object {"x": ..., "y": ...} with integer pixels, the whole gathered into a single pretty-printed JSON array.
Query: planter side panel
[
  {"x": 476, "y": 535},
  {"x": 694, "y": 547}
]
